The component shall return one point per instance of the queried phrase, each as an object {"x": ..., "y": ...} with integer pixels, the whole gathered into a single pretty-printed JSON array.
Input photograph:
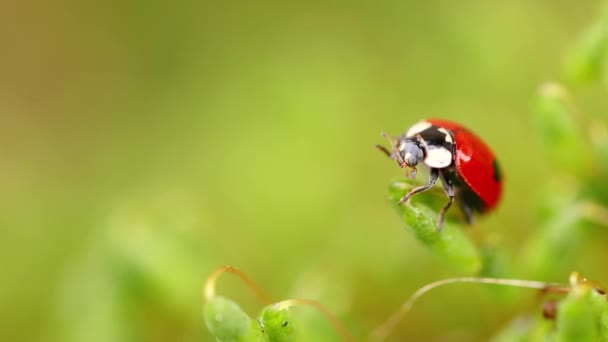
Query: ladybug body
[{"x": 464, "y": 163}]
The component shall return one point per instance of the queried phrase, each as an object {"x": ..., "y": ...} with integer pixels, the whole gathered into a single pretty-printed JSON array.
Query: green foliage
[
  {"x": 573, "y": 187},
  {"x": 549, "y": 248},
  {"x": 229, "y": 323},
  {"x": 577, "y": 320},
  {"x": 498, "y": 263},
  {"x": 555, "y": 120},
  {"x": 451, "y": 244},
  {"x": 581, "y": 316},
  {"x": 140, "y": 265},
  {"x": 585, "y": 62},
  {"x": 277, "y": 324}
]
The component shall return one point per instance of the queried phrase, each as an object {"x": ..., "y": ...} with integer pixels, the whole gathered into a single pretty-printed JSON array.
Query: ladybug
[{"x": 466, "y": 166}]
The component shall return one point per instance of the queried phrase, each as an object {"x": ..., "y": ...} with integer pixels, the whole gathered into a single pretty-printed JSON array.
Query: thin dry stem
[
  {"x": 387, "y": 327},
  {"x": 209, "y": 288},
  {"x": 340, "y": 329}
]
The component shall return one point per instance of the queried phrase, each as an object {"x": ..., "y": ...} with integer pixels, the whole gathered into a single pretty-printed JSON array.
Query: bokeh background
[{"x": 144, "y": 144}]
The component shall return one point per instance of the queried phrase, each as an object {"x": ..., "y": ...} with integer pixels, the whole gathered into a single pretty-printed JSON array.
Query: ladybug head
[
  {"x": 409, "y": 152},
  {"x": 406, "y": 151}
]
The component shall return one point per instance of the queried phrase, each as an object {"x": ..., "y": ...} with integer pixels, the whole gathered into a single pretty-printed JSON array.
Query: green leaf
[
  {"x": 581, "y": 316},
  {"x": 595, "y": 186},
  {"x": 550, "y": 247},
  {"x": 554, "y": 117},
  {"x": 277, "y": 324},
  {"x": 497, "y": 264},
  {"x": 526, "y": 329},
  {"x": 604, "y": 324},
  {"x": 229, "y": 323},
  {"x": 585, "y": 61},
  {"x": 451, "y": 244}
]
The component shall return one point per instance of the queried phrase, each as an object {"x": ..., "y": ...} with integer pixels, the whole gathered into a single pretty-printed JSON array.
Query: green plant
[
  {"x": 581, "y": 316},
  {"x": 573, "y": 204},
  {"x": 229, "y": 323}
]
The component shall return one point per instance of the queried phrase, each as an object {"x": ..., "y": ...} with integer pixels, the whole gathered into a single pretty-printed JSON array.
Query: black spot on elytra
[{"x": 497, "y": 173}]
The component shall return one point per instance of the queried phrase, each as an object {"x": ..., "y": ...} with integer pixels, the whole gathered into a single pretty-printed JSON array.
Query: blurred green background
[{"x": 144, "y": 144}]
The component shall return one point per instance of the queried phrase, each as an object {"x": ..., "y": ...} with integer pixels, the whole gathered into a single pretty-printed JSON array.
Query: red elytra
[{"x": 475, "y": 163}]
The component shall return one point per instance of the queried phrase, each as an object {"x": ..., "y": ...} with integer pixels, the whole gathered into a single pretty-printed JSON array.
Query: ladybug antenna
[
  {"x": 390, "y": 140},
  {"x": 384, "y": 150},
  {"x": 396, "y": 155}
]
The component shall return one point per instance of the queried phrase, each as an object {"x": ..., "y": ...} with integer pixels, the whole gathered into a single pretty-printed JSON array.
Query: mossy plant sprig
[
  {"x": 227, "y": 321},
  {"x": 585, "y": 61},
  {"x": 451, "y": 245},
  {"x": 574, "y": 199},
  {"x": 582, "y": 315}
]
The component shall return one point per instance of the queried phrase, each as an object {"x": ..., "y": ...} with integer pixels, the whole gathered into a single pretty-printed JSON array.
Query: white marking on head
[
  {"x": 417, "y": 128},
  {"x": 438, "y": 158},
  {"x": 448, "y": 136},
  {"x": 407, "y": 156},
  {"x": 402, "y": 146}
]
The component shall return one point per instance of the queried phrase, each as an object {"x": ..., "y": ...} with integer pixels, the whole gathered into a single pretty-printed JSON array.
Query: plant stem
[
  {"x": 346, "y": 336},
  {"x": 209, "y": 288},
  {"x": 385, "y": 329}
]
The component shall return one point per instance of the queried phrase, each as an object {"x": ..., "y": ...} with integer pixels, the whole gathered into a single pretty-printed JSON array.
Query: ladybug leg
[
  {"x": 449, "y": 190},
  {"x": 432, "y": 181},
  {"x": 466, "y": 210}
]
